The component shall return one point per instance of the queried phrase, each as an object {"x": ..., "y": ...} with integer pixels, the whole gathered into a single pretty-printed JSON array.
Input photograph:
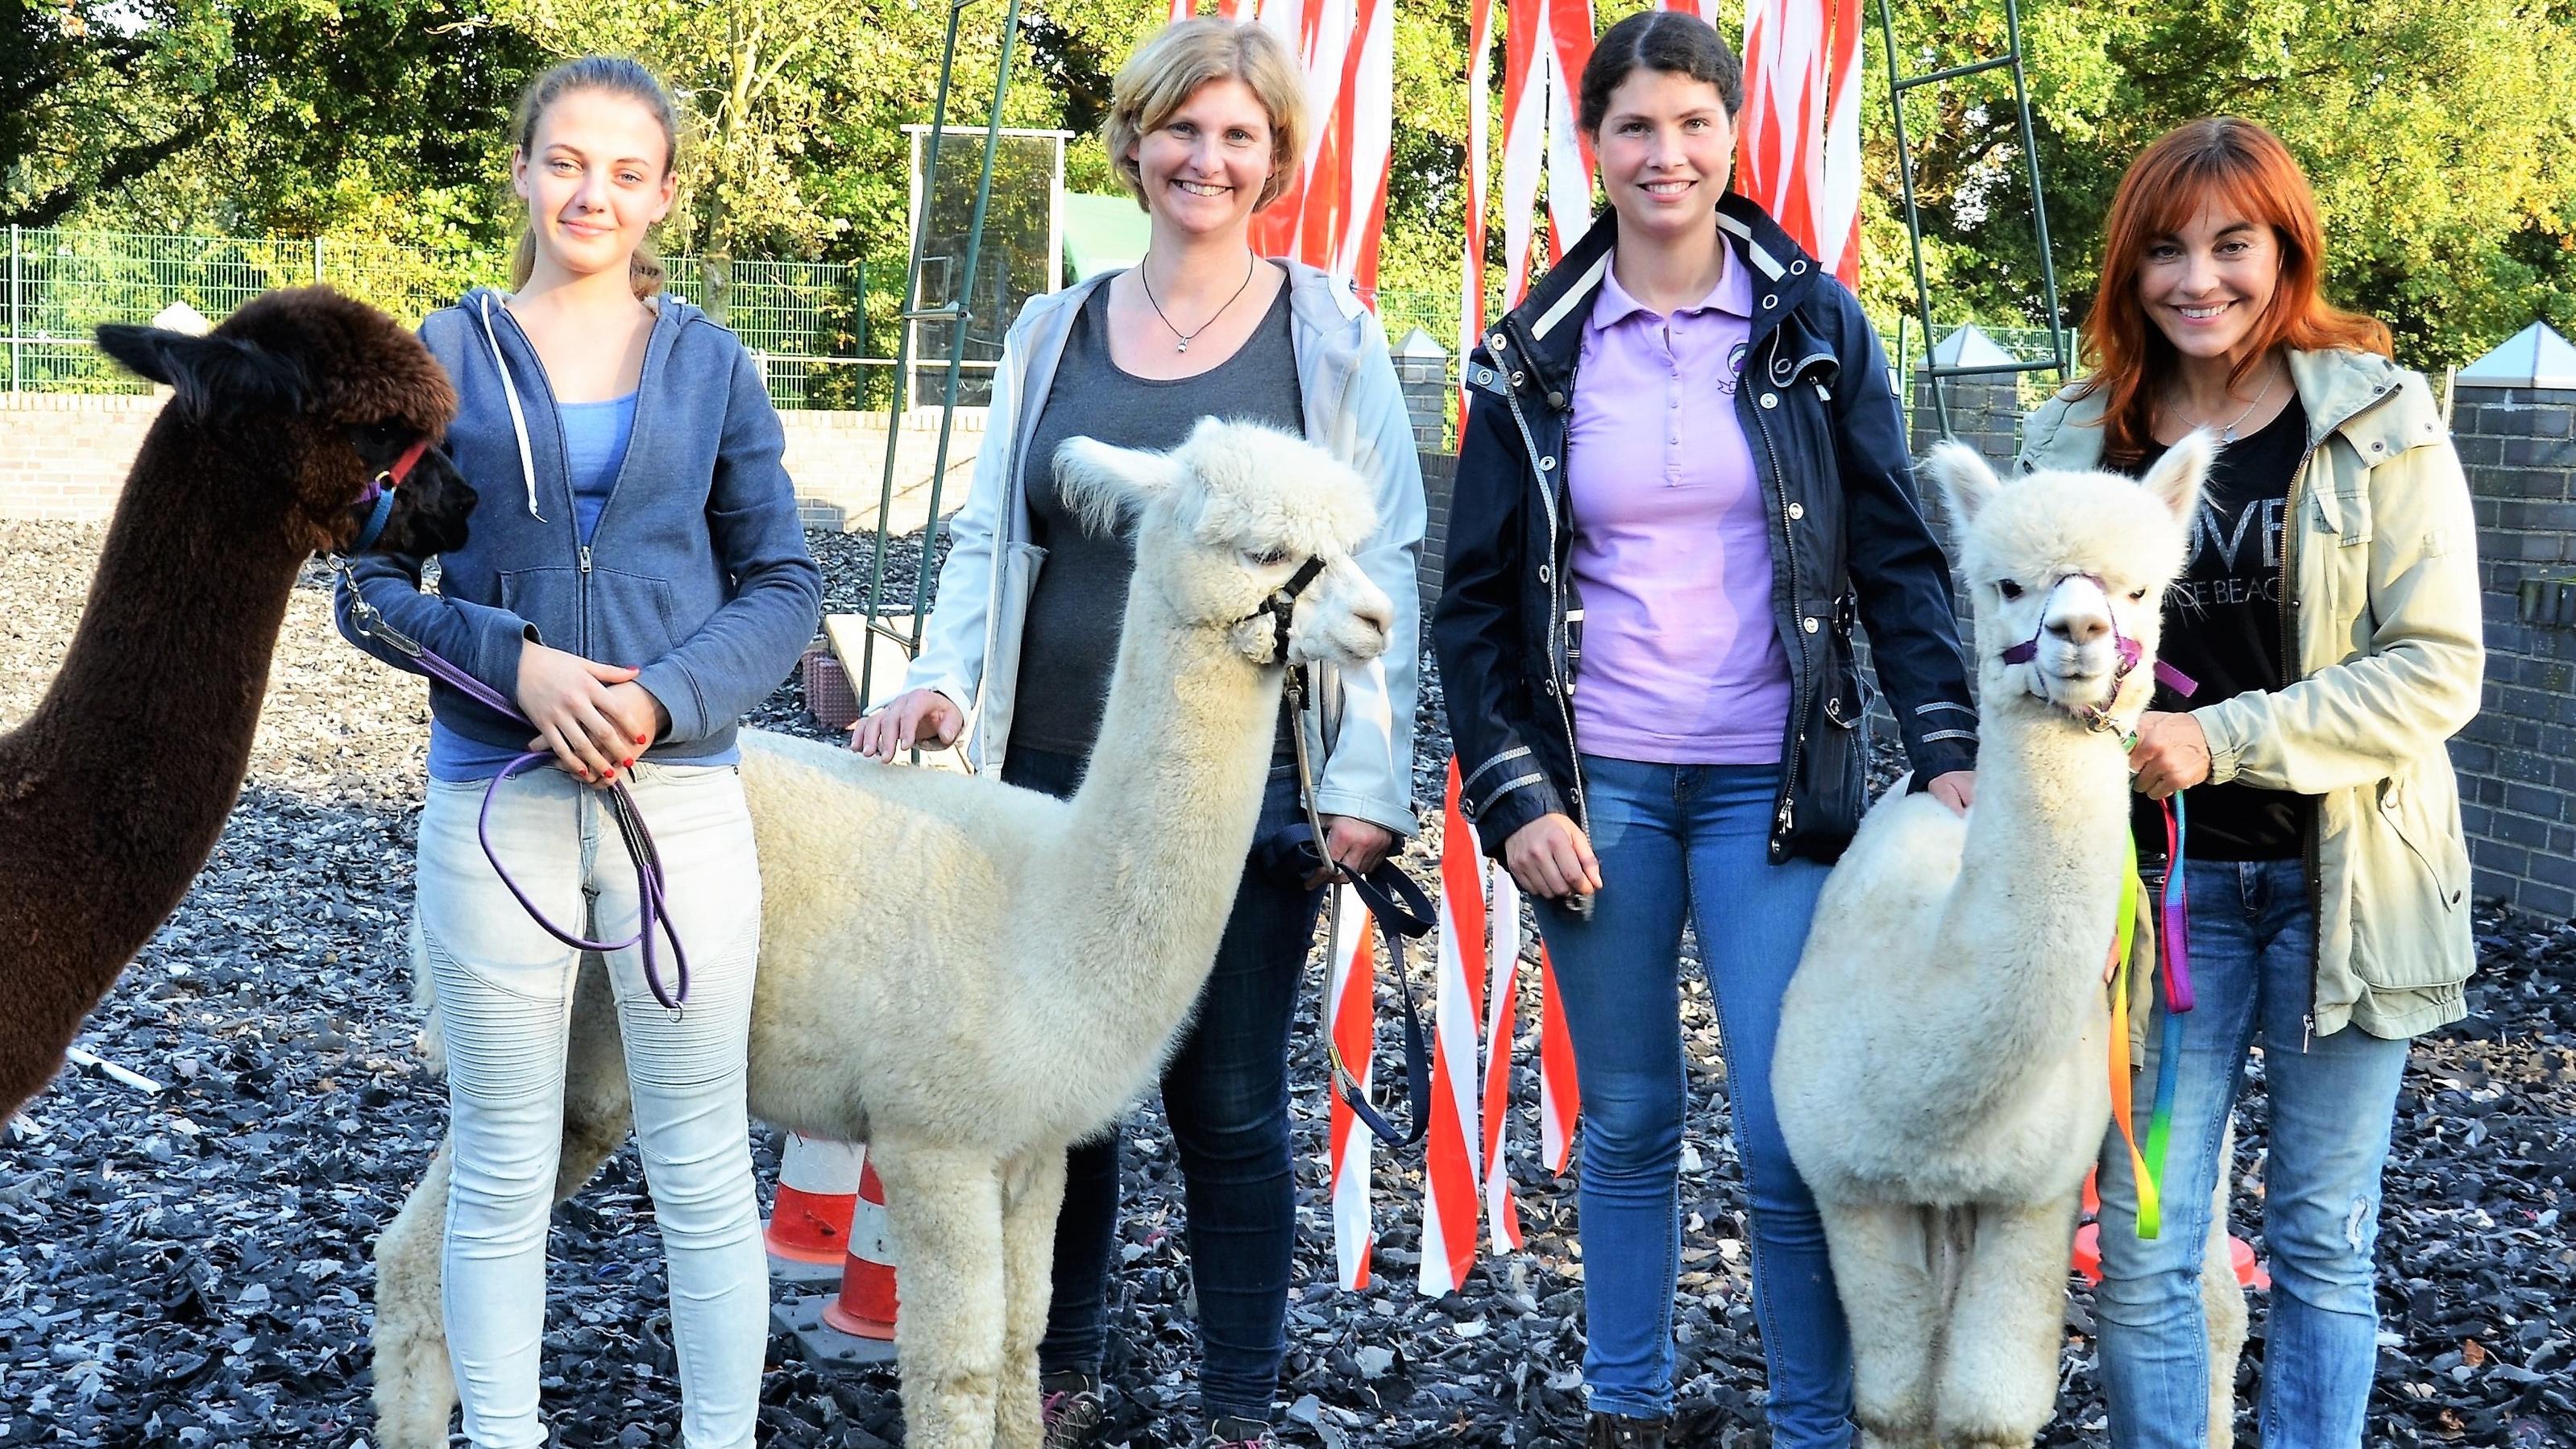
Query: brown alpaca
[{"x": 113, "y": 791}]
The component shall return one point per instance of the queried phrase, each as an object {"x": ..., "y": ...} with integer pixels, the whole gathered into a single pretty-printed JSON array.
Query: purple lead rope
[{"x": 651, "y": 886}]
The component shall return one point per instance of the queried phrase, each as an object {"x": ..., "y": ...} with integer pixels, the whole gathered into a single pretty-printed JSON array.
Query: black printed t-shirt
[{"x": 2222, "y": 626}]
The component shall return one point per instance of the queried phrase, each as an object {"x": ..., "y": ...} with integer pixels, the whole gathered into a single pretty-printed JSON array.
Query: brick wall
[
  {"x": 65, "y": 455},
  {"x": 1439, "y": 478},
  {"x": 1423, "y": 371},
  {"x": 2517, "y": 759}
]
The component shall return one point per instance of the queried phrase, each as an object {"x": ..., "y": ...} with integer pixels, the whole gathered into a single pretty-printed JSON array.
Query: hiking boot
[
  {"x": 1231, "y": 1431},
  {"x": 1071, "y": 1408},
  {"x": 1618, "y": 1431}
]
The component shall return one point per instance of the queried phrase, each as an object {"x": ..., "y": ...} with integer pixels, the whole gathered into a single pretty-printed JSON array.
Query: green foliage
[
  {"x": 2441, "y": 141},
  {"x": 2441, "y": 138}
]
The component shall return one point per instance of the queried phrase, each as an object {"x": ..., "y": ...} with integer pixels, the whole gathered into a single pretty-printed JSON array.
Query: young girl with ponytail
[{"x": 636, "y": 578}]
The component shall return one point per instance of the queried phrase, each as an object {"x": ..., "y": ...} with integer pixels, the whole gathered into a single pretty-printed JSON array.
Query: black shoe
[
  {"x": 1072, "y": 1410},
  {"x": 1232, "y": 1432},
  {"x": 1618, "y": 1431}
]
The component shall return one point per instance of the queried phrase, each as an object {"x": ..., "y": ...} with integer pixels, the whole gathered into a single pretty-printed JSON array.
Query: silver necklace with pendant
[
  {"x": 1145, "y": 279},
  {"x": 2228, "y": 434}
]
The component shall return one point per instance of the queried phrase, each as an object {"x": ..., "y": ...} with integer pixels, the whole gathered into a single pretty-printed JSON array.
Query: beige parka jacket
[{"x": 2386, "y": 659}]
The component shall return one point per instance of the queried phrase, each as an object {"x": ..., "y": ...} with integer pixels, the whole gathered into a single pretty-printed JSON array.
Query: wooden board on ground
[{"x": 852, "y": 642}]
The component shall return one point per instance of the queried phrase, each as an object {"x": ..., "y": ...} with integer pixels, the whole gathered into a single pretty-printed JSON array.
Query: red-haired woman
[{"x": 2329, "y": 610}]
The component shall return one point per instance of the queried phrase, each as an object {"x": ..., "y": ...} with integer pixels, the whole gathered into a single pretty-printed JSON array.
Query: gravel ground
[{"x": 190, "y": 1266}]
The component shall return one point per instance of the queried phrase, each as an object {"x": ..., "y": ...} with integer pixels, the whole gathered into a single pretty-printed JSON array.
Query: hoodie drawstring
[{"x": 518, "y": 419}]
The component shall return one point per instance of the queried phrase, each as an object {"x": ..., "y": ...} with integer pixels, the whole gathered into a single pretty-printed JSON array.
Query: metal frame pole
[
  {"x": 1934, "y": 371},
  {"x": 924, "y": 202},
  {"x": 17, "y": 315}
]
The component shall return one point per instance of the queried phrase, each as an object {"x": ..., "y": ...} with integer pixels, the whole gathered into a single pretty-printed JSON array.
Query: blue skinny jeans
[
  {"x": 2253, "y": 966},
  {"x": 1677, "y": 841}
]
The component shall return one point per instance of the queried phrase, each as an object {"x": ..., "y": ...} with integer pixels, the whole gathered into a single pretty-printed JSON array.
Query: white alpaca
[
  {"x": 968, "y": 976},
  {"x": 1941, "y": 1068}
]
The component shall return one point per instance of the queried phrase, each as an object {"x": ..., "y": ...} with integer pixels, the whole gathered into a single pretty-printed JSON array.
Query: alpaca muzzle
[
  {"x": 2126, "y": 650},
  {"x": 378, "y": 501}
]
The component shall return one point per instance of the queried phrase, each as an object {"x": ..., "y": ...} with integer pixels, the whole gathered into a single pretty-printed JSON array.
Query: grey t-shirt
[{"x": 1070, "y": 644}]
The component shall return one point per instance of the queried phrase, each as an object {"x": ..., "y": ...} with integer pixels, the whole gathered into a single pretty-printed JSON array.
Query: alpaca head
[
  {"x": 1227, "y": 520},
  {"x": 2071, "y": 562},
  {"x": 326, "y": 394}
]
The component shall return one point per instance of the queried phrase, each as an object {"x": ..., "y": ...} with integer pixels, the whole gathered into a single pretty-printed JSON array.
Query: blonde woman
[{"x": 1205, "y": 125}]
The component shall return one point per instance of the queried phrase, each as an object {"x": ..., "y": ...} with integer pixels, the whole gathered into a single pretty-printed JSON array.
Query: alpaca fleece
[{"x": 113, "y": 790}]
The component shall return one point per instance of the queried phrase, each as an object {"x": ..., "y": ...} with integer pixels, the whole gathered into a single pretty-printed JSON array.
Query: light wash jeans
[
  {"x": 1692, "y": 841},
  {"x": 2253, "y": 968},
  {"x": 505, "y": 998}
]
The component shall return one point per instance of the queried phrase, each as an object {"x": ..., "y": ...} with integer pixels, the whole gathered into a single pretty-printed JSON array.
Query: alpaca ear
[
  {"x": 210, "y": 376},
  {"x": 1967, "y": 484},
  {"x": 1101, "y": 482},
  {"x": 2176, "y": 479}
]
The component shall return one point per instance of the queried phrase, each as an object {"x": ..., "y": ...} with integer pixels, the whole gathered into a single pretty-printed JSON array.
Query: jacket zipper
[
  {"x": 1788, "y": 814},
  {"x": 571, "y": 509},
  {"x": 2312, "y": 871},
  {"x": 563, "y": 454},
  {"x": 2292, "y": 673},
  {"x": 1555, "y": 606}
]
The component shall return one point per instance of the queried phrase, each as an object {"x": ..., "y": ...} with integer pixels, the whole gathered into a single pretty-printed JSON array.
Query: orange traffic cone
[
  {"x": 2088, "y": 1248},
  {"x": 866, "y": 1305},
  {"x": 818, "y": 1188}
]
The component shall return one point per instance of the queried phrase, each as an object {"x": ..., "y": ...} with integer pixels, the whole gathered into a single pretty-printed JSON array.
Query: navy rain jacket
[{"x": 1828, "y": 438}]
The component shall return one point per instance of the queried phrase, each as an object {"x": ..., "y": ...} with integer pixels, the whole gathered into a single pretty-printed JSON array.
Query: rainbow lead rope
[
  {"x": 2123, "y": 953},
  {"x": 2147, "y": 1167}
]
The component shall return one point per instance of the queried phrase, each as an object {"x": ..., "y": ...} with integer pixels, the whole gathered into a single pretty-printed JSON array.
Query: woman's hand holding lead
[{"x": 568, "y": 699}]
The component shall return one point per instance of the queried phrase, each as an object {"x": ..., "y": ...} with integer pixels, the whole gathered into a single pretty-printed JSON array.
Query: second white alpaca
[
  {"x": 968, "y": 976},
  {"x": 1941, "y": 1068}
]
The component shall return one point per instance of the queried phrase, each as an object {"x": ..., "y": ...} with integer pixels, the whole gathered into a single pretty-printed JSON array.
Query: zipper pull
[
  {"x": 2307, "y": 1027},
  {"x": 1788, "y": 815},
  {"x": 585, "y": 558}
]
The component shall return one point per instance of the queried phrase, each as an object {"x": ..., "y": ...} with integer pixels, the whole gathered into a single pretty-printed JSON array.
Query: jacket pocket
[
  {"x": 632, "y": 618},
  {"x": 2409, "y": 885},
  {"x": 546, "y": 598}
]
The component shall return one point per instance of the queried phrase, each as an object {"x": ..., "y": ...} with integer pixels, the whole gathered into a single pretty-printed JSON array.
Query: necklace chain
[
  {"x": 2227, "y": 434},
  {"x": 1144, "y": 277}
]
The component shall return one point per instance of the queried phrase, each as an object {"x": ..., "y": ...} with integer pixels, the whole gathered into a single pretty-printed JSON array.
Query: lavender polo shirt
[{"x": 1671, "y": 557}]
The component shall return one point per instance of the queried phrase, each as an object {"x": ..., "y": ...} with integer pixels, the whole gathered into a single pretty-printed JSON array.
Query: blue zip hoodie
[{"x": 697, "y": 573}]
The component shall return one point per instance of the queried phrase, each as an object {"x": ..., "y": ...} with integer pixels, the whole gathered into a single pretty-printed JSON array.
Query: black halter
[{"x": 1281, "y": 606}]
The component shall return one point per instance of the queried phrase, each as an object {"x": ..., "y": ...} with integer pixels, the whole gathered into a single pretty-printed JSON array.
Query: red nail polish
[{"x": 639, "y": 739}]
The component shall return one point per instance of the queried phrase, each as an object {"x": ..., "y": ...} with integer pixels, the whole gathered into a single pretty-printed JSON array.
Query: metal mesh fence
[{"x": 805, "y": 321}]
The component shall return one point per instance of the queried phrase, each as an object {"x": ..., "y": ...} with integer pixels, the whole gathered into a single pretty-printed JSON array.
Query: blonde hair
[
  {"x": 610, "y": 75},
  {"x": 1167, "y": 70}
]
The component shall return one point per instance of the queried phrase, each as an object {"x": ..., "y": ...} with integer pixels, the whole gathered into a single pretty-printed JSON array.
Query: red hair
[{"x": 2233, "y": 165}]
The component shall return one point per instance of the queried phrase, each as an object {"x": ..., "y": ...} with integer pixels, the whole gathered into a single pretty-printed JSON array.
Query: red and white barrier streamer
[
  {"x": 1798, "y": 140},
  {"x": 1560, "y": 1098},
  {"x": 1471, "y": 271},
  {"x": 1451, "y": 1168},
  {"x": 1502, "y": 1012},
  {"x": 1545, "y": 45},
  {"x": 1350, "y": 1019},
  {"x": 1334, "y": 212}
]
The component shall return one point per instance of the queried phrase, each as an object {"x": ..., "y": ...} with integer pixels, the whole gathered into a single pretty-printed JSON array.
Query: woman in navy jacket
[{"x": 1728, "y": 490}]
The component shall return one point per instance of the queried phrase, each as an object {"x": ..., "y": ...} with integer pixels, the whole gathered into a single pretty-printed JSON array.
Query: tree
[{"x": 2441, "y": 142}]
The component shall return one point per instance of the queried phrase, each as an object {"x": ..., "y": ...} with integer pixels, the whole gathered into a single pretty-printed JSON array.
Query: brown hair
[
  {"x": 612, "y": 75},
  {"x": 1673, "y": 41},
  {"x": 1167, "y": 70},
  {"x": 2241, "y": 165}
]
